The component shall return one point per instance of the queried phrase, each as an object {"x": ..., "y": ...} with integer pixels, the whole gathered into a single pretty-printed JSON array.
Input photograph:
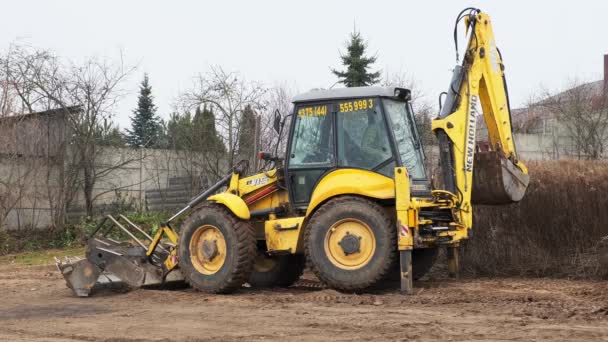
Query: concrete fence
[
  {"x": 131, "y": 179},
  {"x": 147, "y": 179}
]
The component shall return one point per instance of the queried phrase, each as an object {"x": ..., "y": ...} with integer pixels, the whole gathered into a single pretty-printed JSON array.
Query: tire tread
[
  {"x": 245, "y": 249},
  {"x": 328, "y": 279}
]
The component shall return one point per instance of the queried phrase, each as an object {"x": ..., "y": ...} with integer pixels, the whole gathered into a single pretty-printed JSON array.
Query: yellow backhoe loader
[{"x": 351, "y": 196}]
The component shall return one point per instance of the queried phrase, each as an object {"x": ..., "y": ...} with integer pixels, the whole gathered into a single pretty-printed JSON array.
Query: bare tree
[
  {"x": 403, "y": 79},
  {"x": 278, "y": 99},
  {"x": 229, "y": 94},
  {"x": 582, "y": 111},
  {"x": 22, "y": 69},
  {"x": 94, "y": 88},
  {"x": 85, "y": 96}
]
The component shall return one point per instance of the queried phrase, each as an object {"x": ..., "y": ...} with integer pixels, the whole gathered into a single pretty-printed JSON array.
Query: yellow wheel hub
[
  {"x": 207, "y": 249},
  {"x": 350, "y": 244}
]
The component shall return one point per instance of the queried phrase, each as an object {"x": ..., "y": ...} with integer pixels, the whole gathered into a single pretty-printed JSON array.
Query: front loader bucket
[
  {"x": 117, "y": 262},
  {"x": 496, "y": 180},
  {"x": 80, "y": 276}
]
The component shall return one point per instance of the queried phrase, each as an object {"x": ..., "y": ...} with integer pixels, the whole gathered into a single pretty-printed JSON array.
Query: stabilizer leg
[
  {"x": 453, "y": 262},
  {"x": 406, "y": 276}
]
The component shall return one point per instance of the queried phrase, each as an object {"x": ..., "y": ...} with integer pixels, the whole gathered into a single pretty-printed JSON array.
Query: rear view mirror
[{"x": 277, "y": 121}]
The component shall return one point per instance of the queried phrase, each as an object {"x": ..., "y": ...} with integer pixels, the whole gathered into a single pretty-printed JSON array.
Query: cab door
[{"x": 311, "y": 151}]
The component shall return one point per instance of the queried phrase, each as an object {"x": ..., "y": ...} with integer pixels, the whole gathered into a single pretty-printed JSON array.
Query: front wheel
[
  {"x": 216, "y": 250},
  {"x": 351, "y": 243}
]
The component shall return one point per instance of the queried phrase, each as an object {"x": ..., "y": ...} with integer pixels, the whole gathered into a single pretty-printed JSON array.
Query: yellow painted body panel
[
  {"x": 406, "y": 213},
  {"x": 284, "y": 234},
  {"x": 234, "y": 203},
  {"x": 252, "y": 183},
  {"x": 351, "y": 182}
]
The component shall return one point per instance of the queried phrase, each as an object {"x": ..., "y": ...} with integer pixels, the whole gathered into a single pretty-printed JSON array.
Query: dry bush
[{"x": 554, "y": 231}]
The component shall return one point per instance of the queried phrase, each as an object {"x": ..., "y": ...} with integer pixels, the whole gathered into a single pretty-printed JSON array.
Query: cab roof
[{"x": 343, "y": 93}]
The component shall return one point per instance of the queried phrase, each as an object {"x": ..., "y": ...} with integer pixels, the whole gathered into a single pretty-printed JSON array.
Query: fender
[
  {"x": 351, "y": 182},
  {"x": 234, "y": 203}
]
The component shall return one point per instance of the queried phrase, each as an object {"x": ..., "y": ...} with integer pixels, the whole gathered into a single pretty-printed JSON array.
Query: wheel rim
[
  {"x": 208, "y": 249},
  {"x": 350, "y": 244},
  {"x": 263, "y": 263}
]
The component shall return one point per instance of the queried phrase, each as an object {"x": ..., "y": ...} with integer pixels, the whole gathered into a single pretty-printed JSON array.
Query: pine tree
[
  {"x": 247, "y": 143},
  {"x": 206, "y": 135},
  {"x": 179, "y": 131},
  {"x": 145, "y": 124},
  {"x": 357, "y": 64}
]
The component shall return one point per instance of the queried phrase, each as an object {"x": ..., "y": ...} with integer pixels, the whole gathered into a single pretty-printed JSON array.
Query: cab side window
[
  {"x": 311, "y": 152},
  {"x": 313, "y": 143},
  {"x": 362, "y": 135}
]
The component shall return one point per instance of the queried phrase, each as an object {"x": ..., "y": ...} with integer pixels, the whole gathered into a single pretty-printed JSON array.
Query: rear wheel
[
  {"x": 280, "y": 271},
  {"x": 216, "y": 250},
  {"x": 351, "y": 243}
]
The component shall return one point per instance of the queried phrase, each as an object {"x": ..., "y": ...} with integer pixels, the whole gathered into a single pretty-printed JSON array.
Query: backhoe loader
[{"x": 351, "y": 197}]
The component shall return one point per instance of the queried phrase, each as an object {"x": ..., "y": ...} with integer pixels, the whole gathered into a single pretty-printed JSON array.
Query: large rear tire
[
  {"x": 351, "y": 243},
  {"x": 277, "y": 271},
  {"x": 216, "y": 250}
]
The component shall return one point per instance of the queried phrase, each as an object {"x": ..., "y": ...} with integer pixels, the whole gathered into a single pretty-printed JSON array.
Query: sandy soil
[{"x": 35, "y": 305}]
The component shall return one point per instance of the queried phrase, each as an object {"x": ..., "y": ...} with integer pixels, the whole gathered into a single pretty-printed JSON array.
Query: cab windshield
[{"x": 403, "y": 126}]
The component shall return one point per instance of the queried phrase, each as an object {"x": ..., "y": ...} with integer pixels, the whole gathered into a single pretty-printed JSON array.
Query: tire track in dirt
[{"x": 36, "y": 306}]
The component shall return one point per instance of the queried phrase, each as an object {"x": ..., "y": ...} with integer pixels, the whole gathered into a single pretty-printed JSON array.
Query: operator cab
[{"x": 369, "y": 128}]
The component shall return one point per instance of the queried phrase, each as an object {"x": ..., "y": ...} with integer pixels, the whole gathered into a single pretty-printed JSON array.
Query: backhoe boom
[{"x": 479, "y": 82}]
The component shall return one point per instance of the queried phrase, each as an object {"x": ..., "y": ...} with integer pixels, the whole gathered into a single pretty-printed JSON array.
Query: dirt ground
[{"x": 35, "y": 305}]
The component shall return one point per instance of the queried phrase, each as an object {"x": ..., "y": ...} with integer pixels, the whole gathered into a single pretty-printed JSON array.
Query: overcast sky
[{"x": 543, "y": 42}]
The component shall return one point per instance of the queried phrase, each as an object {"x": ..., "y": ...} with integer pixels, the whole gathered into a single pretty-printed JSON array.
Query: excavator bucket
[
  {"x": 117, "y": 262},
  {"x": 496, "y": 180}
]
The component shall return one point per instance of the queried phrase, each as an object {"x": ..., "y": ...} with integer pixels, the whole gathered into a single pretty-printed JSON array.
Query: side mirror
[{"x": 277, "y": 121}]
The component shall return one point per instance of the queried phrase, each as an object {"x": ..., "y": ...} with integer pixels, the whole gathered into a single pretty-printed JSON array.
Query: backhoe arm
[{"x": 499, "y": 176}]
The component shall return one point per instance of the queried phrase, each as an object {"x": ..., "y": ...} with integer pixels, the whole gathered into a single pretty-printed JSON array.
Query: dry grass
[{"x": 554, "y": 231}]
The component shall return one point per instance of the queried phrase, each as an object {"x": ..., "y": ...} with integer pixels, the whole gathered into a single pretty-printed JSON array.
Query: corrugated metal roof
[{"x": 341, "y": 93}]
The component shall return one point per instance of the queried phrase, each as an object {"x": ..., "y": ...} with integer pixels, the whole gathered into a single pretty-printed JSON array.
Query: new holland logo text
[{"x": 471, "y": 134}]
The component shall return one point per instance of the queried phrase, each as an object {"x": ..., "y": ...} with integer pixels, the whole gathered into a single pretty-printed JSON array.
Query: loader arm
[{"x": 500, "y": 177}]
